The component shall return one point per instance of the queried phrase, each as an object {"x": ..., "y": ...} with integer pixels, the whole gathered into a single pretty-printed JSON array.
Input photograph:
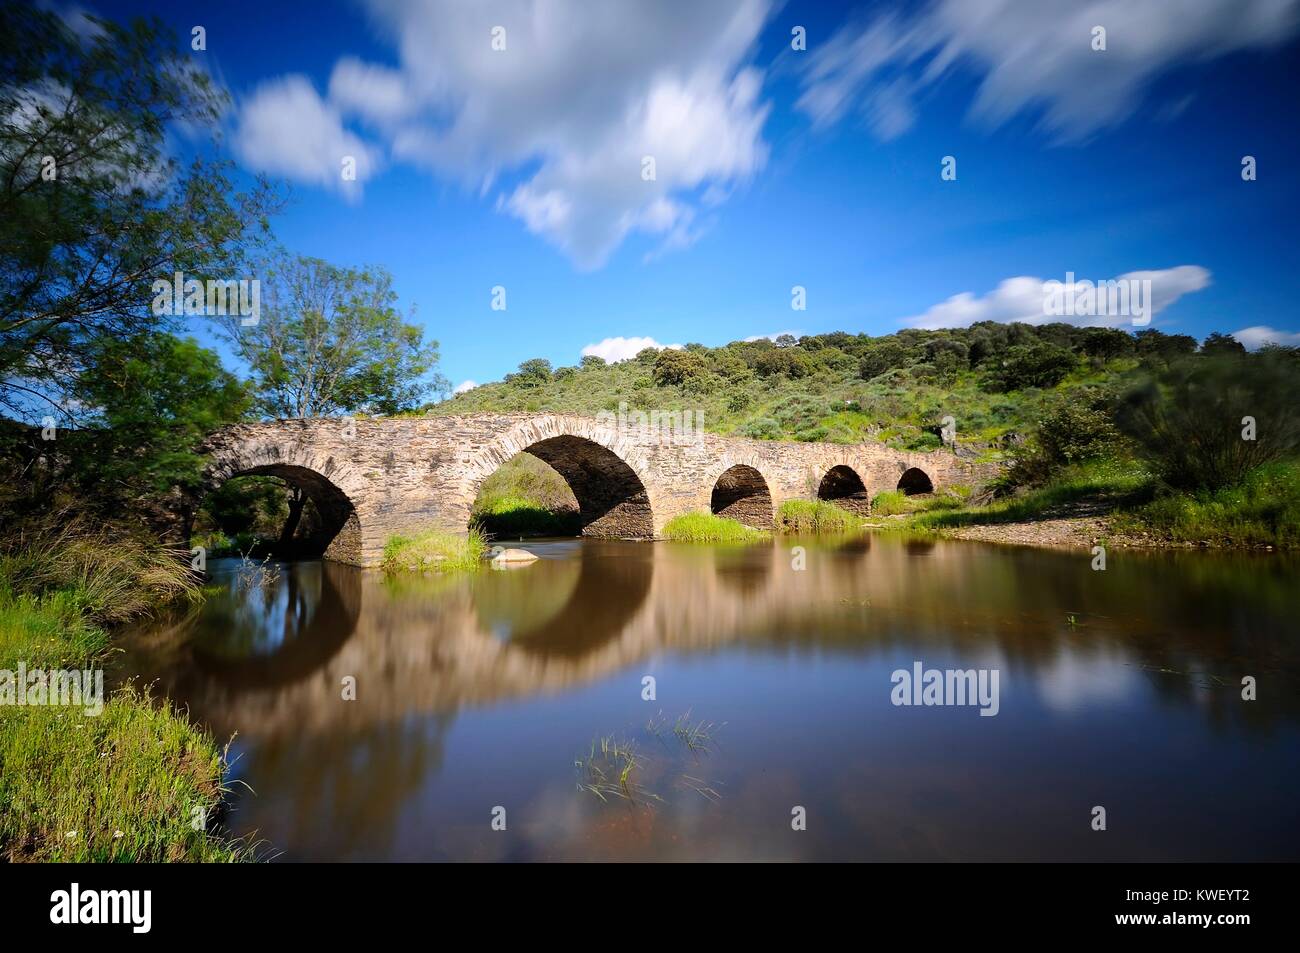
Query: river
[{"x": 505, "y": 715}]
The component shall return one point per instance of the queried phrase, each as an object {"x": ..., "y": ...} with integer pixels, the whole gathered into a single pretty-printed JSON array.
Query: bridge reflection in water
[{"x": 477, "y": 691}]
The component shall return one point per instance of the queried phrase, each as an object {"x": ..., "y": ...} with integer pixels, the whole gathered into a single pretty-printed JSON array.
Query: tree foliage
[
  {"x": 331, "y": 340},
  {"x": 92, "y": 207}
]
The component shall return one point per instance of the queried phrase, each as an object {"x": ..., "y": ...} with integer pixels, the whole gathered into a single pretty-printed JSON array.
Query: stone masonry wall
[{"x": 404, "y": 474}]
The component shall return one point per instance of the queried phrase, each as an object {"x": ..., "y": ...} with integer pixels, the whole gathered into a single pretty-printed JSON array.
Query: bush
[
  {"x": 890, "y": 503},
  {"x": 1190, "y": 419},
  {"x": 764, "y": 428}
]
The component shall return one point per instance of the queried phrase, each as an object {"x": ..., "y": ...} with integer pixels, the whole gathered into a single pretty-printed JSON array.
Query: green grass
[
  {"x": 518, "y": 516},
  {"x": 891, "y": 503},
  {"x": 810, "y": 517},
  {"x": 434, "y": 551},
  {"x": 1263, "y": 511},
  {"x": 1103, "y": 486},
  {"x": 702, "y": 527},
  {"x": 896, "y": 502},
  {"x": 124, "y": 785}
]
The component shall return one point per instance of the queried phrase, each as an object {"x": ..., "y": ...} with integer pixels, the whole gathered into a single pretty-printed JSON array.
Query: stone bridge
[{"x": 371, "y": 479}]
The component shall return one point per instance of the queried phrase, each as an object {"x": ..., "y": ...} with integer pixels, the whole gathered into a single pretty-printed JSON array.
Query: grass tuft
[
  {"x": 811, "y": 517},
  {"x": 434, "y": 550},
  {"x": 708, "y": 528}
]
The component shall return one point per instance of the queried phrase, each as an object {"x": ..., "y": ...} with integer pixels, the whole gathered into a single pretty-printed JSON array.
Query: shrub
[{"x": 1189, "y": 420}]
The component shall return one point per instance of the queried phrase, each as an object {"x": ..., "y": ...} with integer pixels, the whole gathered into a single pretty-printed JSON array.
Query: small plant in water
[
  {"x": 697, "y": 737},
  {"x": 253, "y": 575},
  {"x": 608, "y": 770}
]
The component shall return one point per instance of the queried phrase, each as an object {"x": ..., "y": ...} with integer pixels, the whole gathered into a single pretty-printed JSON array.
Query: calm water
[{"x": 480, "y": 692}]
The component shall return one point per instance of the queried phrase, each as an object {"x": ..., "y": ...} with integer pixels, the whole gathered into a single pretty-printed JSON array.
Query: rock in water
[{"x": 515, "y": 557}]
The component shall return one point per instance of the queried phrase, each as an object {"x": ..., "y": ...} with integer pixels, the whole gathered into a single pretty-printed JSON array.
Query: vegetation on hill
[{"x": 1150, "y": 423}]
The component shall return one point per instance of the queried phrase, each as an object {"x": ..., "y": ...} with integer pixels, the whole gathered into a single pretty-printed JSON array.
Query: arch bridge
[{"x": 371, "y": 479}]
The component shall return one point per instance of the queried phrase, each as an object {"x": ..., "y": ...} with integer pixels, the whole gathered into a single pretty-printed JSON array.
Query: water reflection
[{"x": 474, "y": 691}]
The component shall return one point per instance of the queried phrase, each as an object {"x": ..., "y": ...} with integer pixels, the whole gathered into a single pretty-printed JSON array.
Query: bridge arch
[
  {"x": 605, "y": 470},
  {"x": 741, "y": 493},
  {"x": 843, "y": 486},
  {"x": 914, "y": 481},
  {"x": 331, "y": 487}
]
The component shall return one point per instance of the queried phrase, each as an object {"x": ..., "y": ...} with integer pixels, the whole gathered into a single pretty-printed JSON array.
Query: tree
[
  {"x": 1218, "y": 343},
  {"x": 92, "y": 211},
  {"x": 150, "y": 400},
  {"x": 680, "y": 369},
  {"x": 534, "y": 372},
  {"x": 1034, "y": 365},
  {"x": 330, "y": 340}
]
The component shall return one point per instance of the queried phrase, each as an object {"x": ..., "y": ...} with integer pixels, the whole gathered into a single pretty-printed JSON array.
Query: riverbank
[
  {"x": 85, "y": 777},
  {"x": 1124, "y": 508}
]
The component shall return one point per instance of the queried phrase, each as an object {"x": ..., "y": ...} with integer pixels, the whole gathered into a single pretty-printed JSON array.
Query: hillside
[{"x": 995, "y": 380}]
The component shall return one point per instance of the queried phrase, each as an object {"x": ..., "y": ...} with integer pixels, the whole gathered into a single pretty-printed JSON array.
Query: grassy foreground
[
  {"x": 709, "y": 528},
  {"x": 434, "y": 551},
  {"x": 137, "y": 782}
]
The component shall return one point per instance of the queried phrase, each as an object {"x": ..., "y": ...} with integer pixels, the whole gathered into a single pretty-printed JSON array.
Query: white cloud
[
  {"x": 622, "y": 349},
  {"x": 375, "y": 93},
  {"x": 285, "y": 128},
  {"x": 1025, "y": 299},
  {"x": 581, "y": 94},
  {"x": 464, "y": 386},
  {"x": 1255, "y": 337},
  {"x": 1031, "y": 55}
]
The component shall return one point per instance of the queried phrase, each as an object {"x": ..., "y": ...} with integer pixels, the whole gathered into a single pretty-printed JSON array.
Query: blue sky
[{"x": 774, "y": 167}]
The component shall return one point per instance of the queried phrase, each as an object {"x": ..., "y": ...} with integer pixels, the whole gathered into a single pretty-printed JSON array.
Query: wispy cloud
[
  {"x": 1258, "y": 335},
  {"x": 1024, "y": 299},
  {"x": 561, "y": 120},
  {"x": 1030, "y": 55}
]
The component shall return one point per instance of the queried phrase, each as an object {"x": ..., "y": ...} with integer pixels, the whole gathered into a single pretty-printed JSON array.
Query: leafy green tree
[
  {"x": 1034, "y": 365},
  {"x": 883, "y": 355},
  {"x": 149, "y": 402},
  {"x": 1218, "y": 343},
  {"x": 92, "y": 209},
  {"x": 1156, "y": 346},
  {"x": 534, "y": 372},
  {"x": 680, "y": 369},
  {"x": 330, "y": 340}
]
